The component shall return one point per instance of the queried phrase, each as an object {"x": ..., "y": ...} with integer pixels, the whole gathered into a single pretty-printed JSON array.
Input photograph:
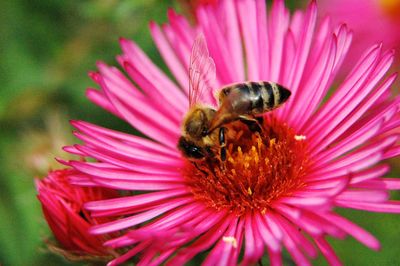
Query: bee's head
[{"x": 198, "y": 122}]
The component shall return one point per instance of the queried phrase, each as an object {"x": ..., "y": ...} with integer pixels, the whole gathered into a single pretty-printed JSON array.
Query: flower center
[
  {"x": 259, "y": 168},
  {"x": 391, "y": 7}
]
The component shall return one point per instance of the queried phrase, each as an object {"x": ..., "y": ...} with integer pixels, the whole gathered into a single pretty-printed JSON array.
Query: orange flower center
[
  {"x": 391, "y": 7},
  {"x": 260, "y": 168}
]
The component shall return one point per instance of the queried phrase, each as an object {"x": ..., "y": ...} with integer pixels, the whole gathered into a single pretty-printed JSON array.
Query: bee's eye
[
  {"x": 195, "y": 152},
  {"x": 204, "y": 132}
]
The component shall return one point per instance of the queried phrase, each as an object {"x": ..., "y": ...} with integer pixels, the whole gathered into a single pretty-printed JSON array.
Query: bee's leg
[
  {"x": 201, "y": 170},
  {"x": 253, "y": 123},
  {"x": 222, "y": 143}
]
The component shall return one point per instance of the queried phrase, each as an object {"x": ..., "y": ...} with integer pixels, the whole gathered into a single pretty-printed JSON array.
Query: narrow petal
[
  {"x": 358, "y": 233},
  {"x": 327, "y": 251},
  {"x": 266, "y": 234},
  {"x": 385, "y": 207},
  {"x": 169, "y": 56},
  {"x": 139, "y": 218},
  {"x": 131, "y": 140},
  {"x": 248, "y": 22}
]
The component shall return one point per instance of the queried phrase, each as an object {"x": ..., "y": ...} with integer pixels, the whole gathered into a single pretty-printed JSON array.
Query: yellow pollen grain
[
  {"x": 259, "y": 143},
  {"x": 272, "y": 143},
  {"x": 255, "y": 154},
  {"x": 240, "y": 153},
  {"x": 249, "y": 191},
  {"x": 299, "y": 137},
  {"x": 230, "y": 240}
]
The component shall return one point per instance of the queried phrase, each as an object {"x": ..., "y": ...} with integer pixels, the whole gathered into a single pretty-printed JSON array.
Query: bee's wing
[{"x": 201, "y": 70}]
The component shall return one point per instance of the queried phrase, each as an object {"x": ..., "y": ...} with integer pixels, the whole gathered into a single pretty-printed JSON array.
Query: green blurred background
[{"x": 46, "y": 49}]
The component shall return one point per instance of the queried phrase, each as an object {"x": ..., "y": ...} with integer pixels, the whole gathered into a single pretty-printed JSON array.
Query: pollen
[
  {"x": 260, "y": 168},
  {"x": 230, "y": 240},
  {"x": 299, "y": 137}
]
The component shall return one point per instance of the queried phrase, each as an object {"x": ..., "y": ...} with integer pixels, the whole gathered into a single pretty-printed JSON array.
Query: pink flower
[
  {"x": 278, "y": 188},
  {"x": 371, "y": 20},
  {"x": 62, "y": 205}
]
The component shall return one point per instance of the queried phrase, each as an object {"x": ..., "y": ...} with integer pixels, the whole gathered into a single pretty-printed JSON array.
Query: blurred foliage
[{"x": 46, "y": 49}]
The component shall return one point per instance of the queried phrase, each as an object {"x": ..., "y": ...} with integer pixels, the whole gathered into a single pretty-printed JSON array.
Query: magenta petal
[
  {"x": 386, "y": 207},
  {"x": 277, "y": 25},
  {"x": 275, "y": 257},
  {"x": 130, "y": 140},
  {"x": 363, "y": 196},
  {"x": 248, "y": 22},
  {"x": 169, "y": 56},
  {"x": 327, "y": 251},
  {"x": 358, "y": 233},
  {"x": 202, "y": 243},
  {"x": 133, "y": 201},
  {"x": 265, "y": 232},
  {"x": 139, "y": 218},
  {"x": 382, "y": 183},
  {"x": 136, "y": 56},
  {"x": 253, "y": 247},
  {"x": 300, "y": 58},
  {"x": 222, "y": 251},
  {"x": 110, "y": 173},
  {"x": 129, "y": 254},
  {"x": 263, "y": 42}
]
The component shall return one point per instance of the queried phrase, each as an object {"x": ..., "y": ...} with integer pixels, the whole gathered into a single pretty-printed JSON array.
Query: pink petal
[
  {"x": 344, "y": 93},
  {"x": 385, "y": 207},
  {"x": 308, "y": 226},
  {"x": 382, "y": 183},
  {"x": 263, "y": 42},
  {"x": 363, "y": 196},
  {"x": 174, "y": 103},
  {"x": 312, "y": 89},
  {"x": 130, "y": 140},
  {"x": 221, "y": 252},
  {"x": 300, "y": 59},
  {"x": 139, "y": 218},
  {"x": 359, "y": 137},
  {"x": 247, "y": 14},
  {"x": 129, "y": 254},
  {"x": 327, "y": 251},
  {"x": 265, "y": 233},
  {"x": 253, "y": 246},
  {"x": 170, "y": 58},
  {"x": 275, "y": 257},
  {"x": 357, "y": 112},
  {"x": 133, "y": 202},
  {"x": 277, "y": 26},
  {"x": 217, "y": 46},
  {"x": 95, "y": 169},
  {"x": 202, "y": 243},
  {"x": 358, "y": 233}
]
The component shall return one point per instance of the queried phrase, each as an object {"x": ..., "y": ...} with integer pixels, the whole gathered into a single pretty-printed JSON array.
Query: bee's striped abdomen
[
  {"x": 266, "y": 96},
  {"x": 254, "y": 97}
]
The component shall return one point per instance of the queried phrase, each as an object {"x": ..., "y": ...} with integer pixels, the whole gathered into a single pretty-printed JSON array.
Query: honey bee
[{"x": 245, "y": 101}]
